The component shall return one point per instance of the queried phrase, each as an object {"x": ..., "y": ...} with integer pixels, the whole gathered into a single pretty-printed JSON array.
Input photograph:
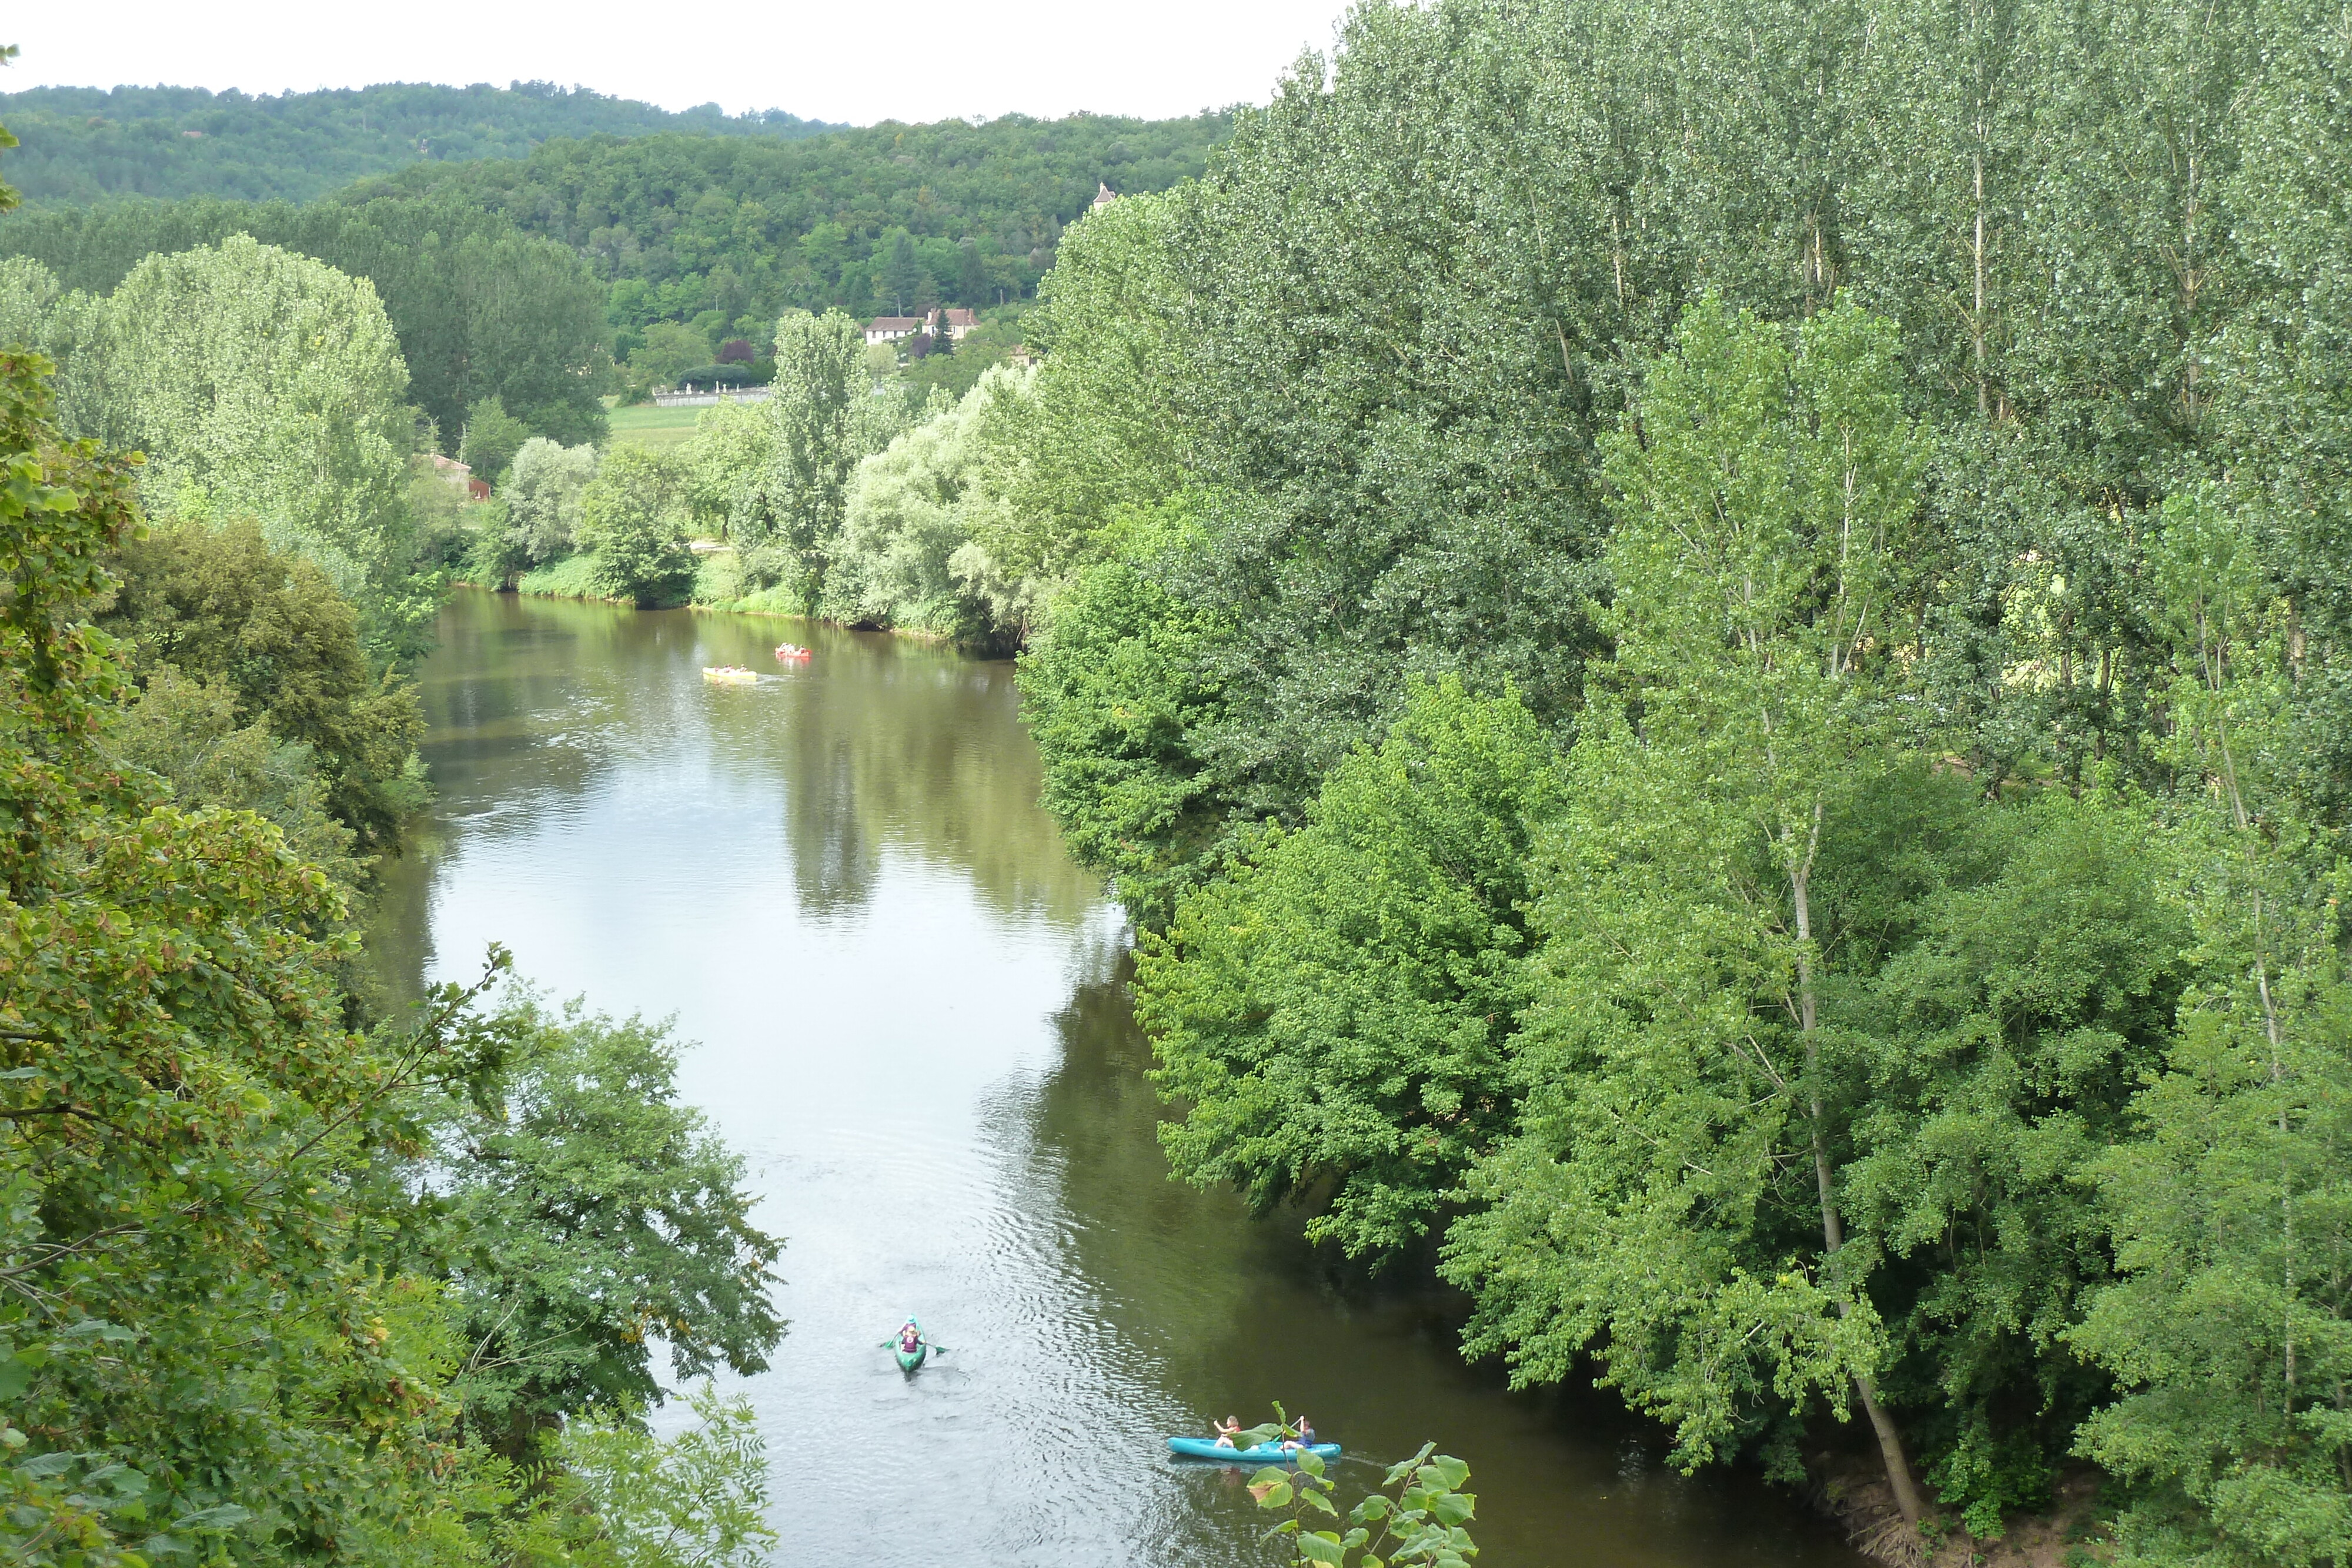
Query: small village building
[
  {"x": 1104, "y": 196},
  {"x": 890, "y": 329},
  {"x": 959, "y": 322}
]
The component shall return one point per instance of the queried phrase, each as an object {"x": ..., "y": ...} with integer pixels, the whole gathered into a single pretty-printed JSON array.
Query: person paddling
[
  {"x": 911, "y": 1338},
  {"x": 1226, "y": 1431},
  {"x": 1306, "y": 1438}
]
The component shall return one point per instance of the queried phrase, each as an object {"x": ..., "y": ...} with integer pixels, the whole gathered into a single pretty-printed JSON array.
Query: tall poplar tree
[
  {"x": 1683, "y": 1108},
  {"x": 820, "y": 372}
]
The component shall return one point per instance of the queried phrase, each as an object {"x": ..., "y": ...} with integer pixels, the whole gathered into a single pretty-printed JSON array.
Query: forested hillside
[
  {"x": 717, "y": 234},
  {"x": 882, "y": 218},
  {"x": 87, "y": 144}
]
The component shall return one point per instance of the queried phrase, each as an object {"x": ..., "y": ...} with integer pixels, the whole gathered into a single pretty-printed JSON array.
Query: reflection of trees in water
[
  {"x": 1178, "y": 1268},
  {"x": 903, "y": 747},
  {"x": 1229, "y": 1312},
  {"x": 834, "y": 857},
  {"x": 885, "y": 745}
]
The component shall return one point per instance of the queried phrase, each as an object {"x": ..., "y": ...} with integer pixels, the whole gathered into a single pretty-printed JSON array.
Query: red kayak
[{"x": 791, "y": 650}]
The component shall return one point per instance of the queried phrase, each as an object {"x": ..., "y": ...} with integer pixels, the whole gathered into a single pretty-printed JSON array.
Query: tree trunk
[{"x": 1890, "y": 1442}]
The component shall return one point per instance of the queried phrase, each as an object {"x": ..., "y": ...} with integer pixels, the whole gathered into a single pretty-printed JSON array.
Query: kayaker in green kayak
[{"x": 910, "y": 1337}]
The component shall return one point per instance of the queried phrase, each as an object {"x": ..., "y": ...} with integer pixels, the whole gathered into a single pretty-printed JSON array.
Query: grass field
[{"x": 646, "y": 426}]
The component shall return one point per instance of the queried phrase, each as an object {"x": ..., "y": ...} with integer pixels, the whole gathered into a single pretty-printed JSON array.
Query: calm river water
[{"x": 907, "y": 1014}]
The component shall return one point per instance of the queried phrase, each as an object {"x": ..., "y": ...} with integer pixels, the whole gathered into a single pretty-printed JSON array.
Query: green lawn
[{"x": 647, "y": 425}]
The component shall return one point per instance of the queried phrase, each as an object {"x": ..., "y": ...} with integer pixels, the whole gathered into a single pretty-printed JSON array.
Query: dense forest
[
  {"x": 88, "y": 144},
  {"x": 512, "y": 279},
  {"x": 289, "y": 1272},
  {"x": 1712, "y": 647},
  {"x": 1714, "y": 650},
  {"x": 885, "y": 218},
  {"x": 480, "y": 311}
]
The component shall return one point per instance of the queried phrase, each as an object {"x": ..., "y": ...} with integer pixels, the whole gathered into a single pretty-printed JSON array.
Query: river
[{"x": 909, "y": 1014}]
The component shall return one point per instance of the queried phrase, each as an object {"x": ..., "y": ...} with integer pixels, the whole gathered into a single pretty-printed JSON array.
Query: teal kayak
[
  {"x": 1263, "y": 1454},
  {"x": 910, "y": 1359}
]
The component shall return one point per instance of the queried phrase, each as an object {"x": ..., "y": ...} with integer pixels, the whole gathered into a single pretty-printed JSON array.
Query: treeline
[
  {"x": 480, "y": 310},
  {"x": 1711, "y": 645},
  {"x": 729, "y": 234},
  {"x": 89, "y": 144},
  {"x": 890, "y": 505},
  {"x": 288, "y": 1275},
  {"x": 526, "y": 280}
]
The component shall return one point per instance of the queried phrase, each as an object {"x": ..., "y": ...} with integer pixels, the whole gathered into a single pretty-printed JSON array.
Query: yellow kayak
[{"x": 730, "y": 676}]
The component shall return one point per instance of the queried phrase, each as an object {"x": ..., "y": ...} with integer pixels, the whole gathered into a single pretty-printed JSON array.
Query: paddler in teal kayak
[{"x": 1226, "y": 1431}]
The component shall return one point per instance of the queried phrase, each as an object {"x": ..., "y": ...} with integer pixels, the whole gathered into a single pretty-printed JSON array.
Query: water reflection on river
[{"x": 912, "y": 1020}]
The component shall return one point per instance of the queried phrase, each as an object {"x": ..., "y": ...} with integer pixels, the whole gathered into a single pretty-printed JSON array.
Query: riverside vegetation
[
  {"x": 1710, "y": 647},
  {"x": 285, "y": 1275}
]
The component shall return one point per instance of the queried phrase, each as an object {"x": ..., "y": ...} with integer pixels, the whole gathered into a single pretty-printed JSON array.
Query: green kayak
[{"x": 910, "y": 1359}]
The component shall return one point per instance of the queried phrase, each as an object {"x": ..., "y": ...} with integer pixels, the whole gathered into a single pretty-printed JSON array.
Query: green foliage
[
  {"x": 491, "y": 439},
  {"x": 88, "y": 143},
  {"x": 681, "y": 228},
  {"x": 186, "y": 732},
  {"x": 211, "y": 1187},
  {"x": 819, "y": 362},
  {"x": 1685, "y": 1099},
  {"x": 220, "y": 607},
  {"x": 633, "y": 518},
  {"x": 2230, "y": 1326},
  {"x": 1421, "y": 1524},
  {"x": 909, "y": 556},
  {"x": 588, "y": 1214},
  {"x": 1093, "y": 434},
  {"x": 480, "y": 310},
  {"x": 263, "y": 384},
  {"x": 1119, "y": 691},
  {"x": 1336, "y": 1013},
  {"x": 542, "y": 494},
  {"x": 573, "y": 577},
  {"x": 695, "y": 1501},
  {"x": 187, "y": 1295},
  {"x": 989, "y": 342},
  {"x": 668, "y": 351},
  {"x": 1936, "y": 993}
]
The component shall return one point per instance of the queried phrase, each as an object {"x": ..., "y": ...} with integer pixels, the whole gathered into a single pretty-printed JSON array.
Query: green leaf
[
  {"x": 1405, "y": 1467},
  {"x": 1320, "y": 1546},
  {"x": 1453, "y": 1471},
  {"x": 1312, "y": 1463},
  {"x": 1318, "y": 1500},
  {"x": 1453, "y": 1507}
]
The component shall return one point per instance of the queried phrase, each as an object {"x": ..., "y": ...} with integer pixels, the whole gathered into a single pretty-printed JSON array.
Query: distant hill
[
  {"x": 86, "y": 144},
  {"x": 723, "y": 233}
]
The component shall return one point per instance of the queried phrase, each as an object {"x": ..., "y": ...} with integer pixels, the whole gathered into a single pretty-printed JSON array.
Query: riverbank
[
  {"x": 1849, "y": 1488},
  {"x": 717, "y": 591}
]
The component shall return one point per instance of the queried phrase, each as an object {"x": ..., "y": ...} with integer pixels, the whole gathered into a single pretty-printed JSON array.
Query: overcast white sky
[{"x": 822, "y": 59}]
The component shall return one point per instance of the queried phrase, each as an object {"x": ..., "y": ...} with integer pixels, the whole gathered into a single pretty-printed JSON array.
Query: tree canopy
[{"x": 87, "y": 144}]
